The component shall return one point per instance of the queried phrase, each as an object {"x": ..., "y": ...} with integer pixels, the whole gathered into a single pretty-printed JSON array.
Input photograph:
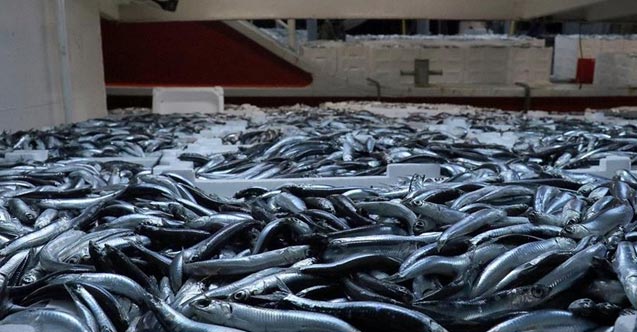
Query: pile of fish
[
  {"x": 303, "y": 141},
  {"x": 131, "y": 136},
  {"x": 510, "y": 240},
  {"x": 111, "y": 247},
  {"x": 325, "y": 143}
]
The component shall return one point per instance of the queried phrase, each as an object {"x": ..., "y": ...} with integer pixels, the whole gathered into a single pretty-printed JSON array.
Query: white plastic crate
[
  {"x": 228, "y": 188},
  {"x": 221, "y": 130},
  {"x": 148, "y": 162},
  {"x": 188, "y": 100},
  {"x": 607, "y": 168},
  {"x": 43, "y": 155},
  {"x": 27, "y": 155}
]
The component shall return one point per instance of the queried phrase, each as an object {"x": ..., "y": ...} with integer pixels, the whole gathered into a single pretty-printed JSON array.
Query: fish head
[
  {"x": 575, "y": 231},
  {"x": 216, "y": 310},
  {"x": 607, "y": 306},
  {"x": 29, "y": 278},
  {"x": 534, "y": 216},
  {"x": 582, "y": 304},
  {"x": 105, "y": 328},
  {"x": 565, "y": 243}
]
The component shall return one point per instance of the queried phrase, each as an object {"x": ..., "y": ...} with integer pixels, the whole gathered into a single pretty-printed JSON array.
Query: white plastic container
[{"x": 188, "y": 100}]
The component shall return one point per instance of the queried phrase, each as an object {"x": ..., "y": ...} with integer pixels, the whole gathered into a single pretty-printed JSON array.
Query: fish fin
[
  {"x": 72, "y": 294},
  {"x": 394, "y": 278},
  {"x": 5, "y": 303},
  {"x": 283, "y": 287},
  {"x": 414, "y": 183}
]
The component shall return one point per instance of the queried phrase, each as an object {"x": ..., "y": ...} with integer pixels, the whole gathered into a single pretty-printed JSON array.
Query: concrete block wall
[
  {"x": 451, "y": 60},
  {"x": 342, "y": 65},
  {"x": 31, "y": 90},
  {"x": 353, "y": 61},
  {"x": 567, "y": 51},
  {"x": 85, "y": 55},
  {"x": 616, "y": 69},
  {"x": 486, "y": 65},
  {"x": 531, "y": 65}
]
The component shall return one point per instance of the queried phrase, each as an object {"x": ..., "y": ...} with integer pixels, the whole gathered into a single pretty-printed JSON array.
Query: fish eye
[
  {"x": 203, "y": 302},
  {"x": 240, "y": 296},
  {"x": 538, "y": 291},
  {"x": 417, "y": 203},
  {"x": 419, "y": 226}
]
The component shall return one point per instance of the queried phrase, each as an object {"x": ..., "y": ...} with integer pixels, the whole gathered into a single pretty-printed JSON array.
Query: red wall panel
[{"x": 191, "y": 54}]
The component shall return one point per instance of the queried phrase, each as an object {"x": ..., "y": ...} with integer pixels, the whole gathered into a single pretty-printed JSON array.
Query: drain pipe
[
  {"x": 377, "y": 85},
  {"x": 527, "y": 95},
  {"x": 63, "y": 43}
]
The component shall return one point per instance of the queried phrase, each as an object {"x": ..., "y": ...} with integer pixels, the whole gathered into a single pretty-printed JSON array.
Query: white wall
[
  {"x": 567, "y": 51},
  {"x": 30, "y": 88},
  {"x": 30, "y": 64},
  {"x": 340, "y": 66}
]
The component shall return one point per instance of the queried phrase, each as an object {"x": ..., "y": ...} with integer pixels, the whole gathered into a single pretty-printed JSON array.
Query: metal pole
[
  {"x": 527, "y": 95},
  {"x": 422, "y": 27},
  {"x": 512, "y": 27},
  {"x": 312, "y": 29},
  {"x": 63, "y": 43},
  {"x": 292, "y": 33}
]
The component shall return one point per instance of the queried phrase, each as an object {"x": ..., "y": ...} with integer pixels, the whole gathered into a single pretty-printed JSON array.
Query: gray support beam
[
  {"x": 537, "y": 8},
  {"x": 612, "y": 10},
  {"x": 189, "y": 10}
]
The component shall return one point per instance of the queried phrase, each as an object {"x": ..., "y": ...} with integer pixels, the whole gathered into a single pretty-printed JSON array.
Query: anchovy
[
  {"x": 248, "y": 264},
  {"x": 469, "y": 224},
  {"x": 545, "y": 320},
  {"x": 173, "y": 320},
  {"x": 625, "y": 265},
  {"x": 358, "y": 313},
  {"x": 514, "y": 300},
  {"x": 506, "y": 262},
  {"x": 255, "y": 319}
]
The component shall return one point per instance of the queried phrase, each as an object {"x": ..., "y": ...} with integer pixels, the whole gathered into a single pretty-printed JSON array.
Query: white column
[{"x": 31, "y": 80}]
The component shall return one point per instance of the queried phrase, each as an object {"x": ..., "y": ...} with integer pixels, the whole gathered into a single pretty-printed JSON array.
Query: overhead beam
[
  {"x": 109, "y": 9},
  {"x": 612, "y": 10},
  {"x": 538, "y": 8},
  {"x": 192, "y": 10}
]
